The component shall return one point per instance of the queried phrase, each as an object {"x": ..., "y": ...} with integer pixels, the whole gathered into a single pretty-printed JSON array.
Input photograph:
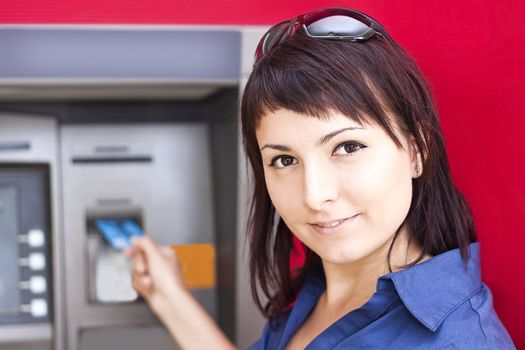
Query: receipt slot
[{"x": 109, "y": 279}]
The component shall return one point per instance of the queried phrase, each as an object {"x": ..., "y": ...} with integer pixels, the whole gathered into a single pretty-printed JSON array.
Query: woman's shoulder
[
  {"x": 476, "y": 325},
  {"x": 447, "y": 300}
]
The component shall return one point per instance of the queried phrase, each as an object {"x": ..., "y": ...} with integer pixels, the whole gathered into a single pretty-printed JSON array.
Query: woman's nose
[{"x": 320, "y": 186}]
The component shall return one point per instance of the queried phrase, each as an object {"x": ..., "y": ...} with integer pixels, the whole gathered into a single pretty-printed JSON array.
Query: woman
[{"x": 347, "y": 154}]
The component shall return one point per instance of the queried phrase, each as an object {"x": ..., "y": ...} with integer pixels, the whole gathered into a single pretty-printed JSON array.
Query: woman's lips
[{"x": 331, "y": 227}]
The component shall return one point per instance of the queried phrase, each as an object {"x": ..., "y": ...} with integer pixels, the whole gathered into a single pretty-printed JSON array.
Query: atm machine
[{"x": 118, "y": 125}]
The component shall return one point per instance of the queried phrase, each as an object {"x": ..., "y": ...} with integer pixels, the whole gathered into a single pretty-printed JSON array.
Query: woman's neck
[{"x": 351, "y": 285}]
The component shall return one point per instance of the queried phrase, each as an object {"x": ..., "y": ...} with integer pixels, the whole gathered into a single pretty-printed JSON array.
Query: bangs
[{"x": 315, "y": 79}]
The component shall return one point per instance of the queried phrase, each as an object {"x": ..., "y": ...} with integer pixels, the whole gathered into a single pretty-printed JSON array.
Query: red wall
[{"x": 473, "y": 53}]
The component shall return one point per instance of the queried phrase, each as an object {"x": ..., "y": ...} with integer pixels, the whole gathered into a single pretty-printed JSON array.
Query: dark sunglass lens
[
  {"x": 338, "y": 25},
  {"x": 274, "y": 36}
]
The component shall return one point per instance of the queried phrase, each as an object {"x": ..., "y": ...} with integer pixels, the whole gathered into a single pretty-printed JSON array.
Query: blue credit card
[
  {"x": 118, "y": 235},
  {"x": 131, "y": 228}
]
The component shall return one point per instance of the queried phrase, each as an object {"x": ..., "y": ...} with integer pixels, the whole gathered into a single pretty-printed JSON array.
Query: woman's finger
[
  {"x": 142, "y": 284},
  {"x": 139, "y": 263}
]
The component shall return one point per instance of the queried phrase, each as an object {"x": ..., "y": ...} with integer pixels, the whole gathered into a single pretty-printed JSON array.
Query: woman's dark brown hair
[{"x": 369, "y": 82}]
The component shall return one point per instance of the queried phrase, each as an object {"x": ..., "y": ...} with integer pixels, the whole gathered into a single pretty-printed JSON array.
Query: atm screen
[{"x": 9, "y": 271}]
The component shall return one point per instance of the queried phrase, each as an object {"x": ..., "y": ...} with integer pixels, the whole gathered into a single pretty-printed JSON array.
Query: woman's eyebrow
[
  {"x": 277, "y": 147},
  {"x": 327, "y": 138},
  {"x": 322, "y": 141}
]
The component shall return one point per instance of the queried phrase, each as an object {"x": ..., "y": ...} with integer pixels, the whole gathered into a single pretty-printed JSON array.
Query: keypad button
[
  {"x": 35, "y": 238},
  {"x": 37, "y": 284},
  {"x": 38, "y": 307},
  {"x": 37, "y": 261}
]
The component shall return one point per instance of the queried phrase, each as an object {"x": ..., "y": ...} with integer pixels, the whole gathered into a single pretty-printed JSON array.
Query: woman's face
[{"x": 342, "y": 188}]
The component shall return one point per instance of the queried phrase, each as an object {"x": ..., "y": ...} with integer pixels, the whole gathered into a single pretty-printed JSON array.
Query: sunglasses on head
[{"x": 328, "y": 23}]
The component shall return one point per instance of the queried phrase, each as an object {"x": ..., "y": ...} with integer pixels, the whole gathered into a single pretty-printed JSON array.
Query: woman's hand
[{"x": 156, "y": 273}]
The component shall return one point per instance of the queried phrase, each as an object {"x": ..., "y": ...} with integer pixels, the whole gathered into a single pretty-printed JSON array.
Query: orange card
[{"x": 198, "y": 264}]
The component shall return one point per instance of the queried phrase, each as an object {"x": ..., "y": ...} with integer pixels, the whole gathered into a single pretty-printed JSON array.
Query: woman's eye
[
  {"x": 282, "y": 161},
  {"x": 348, "y": 148}
]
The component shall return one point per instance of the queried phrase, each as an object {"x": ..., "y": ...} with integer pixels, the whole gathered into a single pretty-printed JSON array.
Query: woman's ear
[{"x": 417, "y": 160}]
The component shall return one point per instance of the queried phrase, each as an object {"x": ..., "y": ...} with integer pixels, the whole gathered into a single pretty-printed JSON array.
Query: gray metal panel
[
  {"x": 119, "y": 54},
  {"x": 250, "y": 37},
  {"x": 39, "y": 133},
  {"x": 40, "y": 345},
  {"x": 125, "y": 338},
  {"x": 25, "y": 335},
  {"x": 250, "y": 322},
  {"x": 173, "y": 192}
]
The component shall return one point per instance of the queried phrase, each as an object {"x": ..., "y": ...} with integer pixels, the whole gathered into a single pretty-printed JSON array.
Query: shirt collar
[{"x": 431, "y": 290}]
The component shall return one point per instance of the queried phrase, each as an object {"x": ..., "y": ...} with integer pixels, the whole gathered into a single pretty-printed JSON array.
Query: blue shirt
[{"x": 436, "y": 304}]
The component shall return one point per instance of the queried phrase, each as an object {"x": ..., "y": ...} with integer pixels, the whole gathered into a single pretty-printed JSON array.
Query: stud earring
[{"x": 417, "y": 170}]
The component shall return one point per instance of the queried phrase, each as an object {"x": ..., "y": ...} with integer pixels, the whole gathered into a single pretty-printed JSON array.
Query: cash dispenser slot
[
  {"x": 113, "y": 153},
  {"x": 14, "y": 146},
  {"x": 108, "y": 233},
  {"x": 113, "y": 159}
]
